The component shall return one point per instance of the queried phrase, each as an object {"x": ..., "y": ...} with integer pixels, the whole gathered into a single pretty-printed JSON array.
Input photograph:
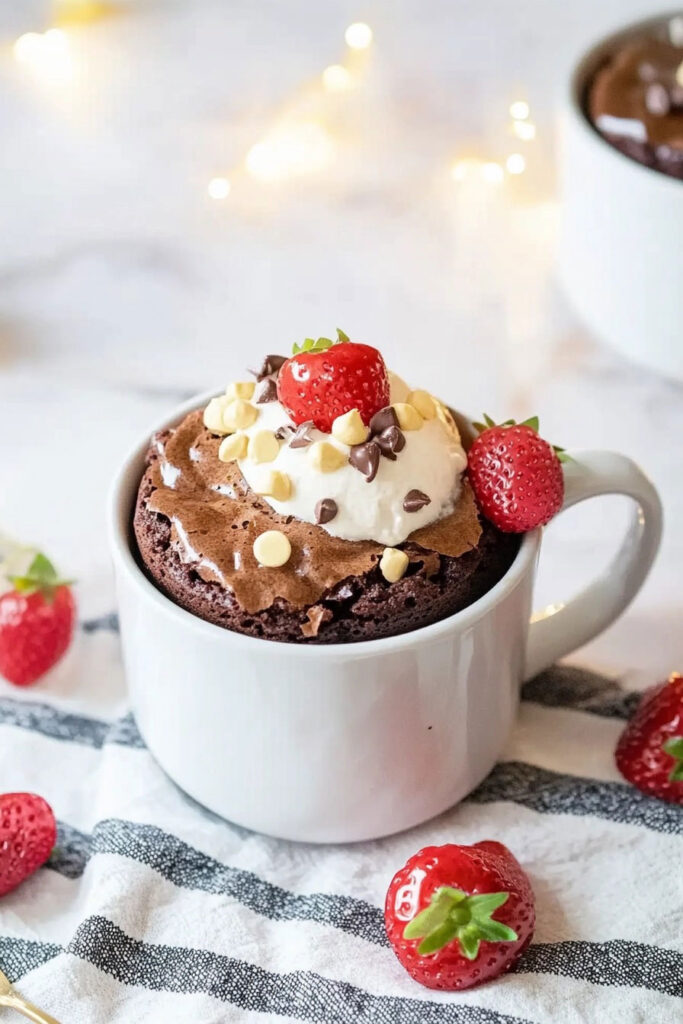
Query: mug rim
[
  {"x": 582, "y": 68},
  {"x": 119, "y": 523}
]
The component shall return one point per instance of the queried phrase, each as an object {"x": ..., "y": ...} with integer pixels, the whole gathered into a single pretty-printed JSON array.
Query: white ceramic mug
[
  {"x": 343, "y": 742},
  {"x": 621, "y": 248}
]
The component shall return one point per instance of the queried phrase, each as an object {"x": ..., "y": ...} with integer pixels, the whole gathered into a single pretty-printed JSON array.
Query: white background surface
[{"x": 123, "y": 286}]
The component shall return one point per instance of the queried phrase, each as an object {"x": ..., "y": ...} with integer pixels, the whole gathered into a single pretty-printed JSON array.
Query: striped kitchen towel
[{"x": 154, "y": 910}]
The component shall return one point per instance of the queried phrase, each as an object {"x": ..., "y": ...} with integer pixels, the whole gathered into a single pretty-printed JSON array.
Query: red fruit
[
  {"x": 439, "y": 914},
  {"x": 28, "y": 833},
  {"x": 516, "y": 476},
  {"x": 325, "y": 380},
  {"x": 650, "y": 750},
  {"x": 36, "y": 623}
]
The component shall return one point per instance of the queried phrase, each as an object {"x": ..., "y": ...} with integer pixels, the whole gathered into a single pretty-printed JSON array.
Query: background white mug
[
  {"x": 621, "y": 243},
  {"x": 344, "y": 742}
]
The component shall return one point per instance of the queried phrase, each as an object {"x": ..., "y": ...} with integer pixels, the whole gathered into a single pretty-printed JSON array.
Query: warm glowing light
[
  {"x": 218, "y": 188},
  {"x": 492, "y": 173},
  {"x": 82, "y": 12},
  {"x": 679, "y": 74},
  {"x": 466, "y": 168},
  {"x": 358, "y": 36},
  {"x": 290, "y": 151},
  {"x": 519, "y": 110},
  {"x": 515, "y": 163},
  {"x": 46, "y": 55},
  {"x": 27, "y": 47},
  {"x": 337, "y": 78},
  {"x": 470, "y": 168},
  {"x": 524, "y": 130}
]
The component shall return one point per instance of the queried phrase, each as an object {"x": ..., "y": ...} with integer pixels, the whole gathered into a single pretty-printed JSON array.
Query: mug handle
[{"x": 560, "y": 629}]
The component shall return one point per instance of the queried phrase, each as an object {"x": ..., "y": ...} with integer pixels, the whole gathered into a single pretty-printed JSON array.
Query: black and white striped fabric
[{"x": 152, "y": 909}]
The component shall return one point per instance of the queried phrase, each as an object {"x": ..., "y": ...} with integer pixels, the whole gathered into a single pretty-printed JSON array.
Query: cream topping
[{"x": 432, "y": 461}]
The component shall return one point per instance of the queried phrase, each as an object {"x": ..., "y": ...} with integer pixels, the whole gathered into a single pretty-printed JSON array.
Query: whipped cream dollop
[{"x": 431, "y": 462}]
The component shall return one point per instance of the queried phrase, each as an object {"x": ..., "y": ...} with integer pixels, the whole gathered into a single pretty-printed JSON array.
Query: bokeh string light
[
  {"x": 218, "y": 188},
  {"x": 46, "y": 55},
  {"x": 358, "y": 36},
  {"x": 298, "y": 144},
  {"x": 337, "y": 78}
]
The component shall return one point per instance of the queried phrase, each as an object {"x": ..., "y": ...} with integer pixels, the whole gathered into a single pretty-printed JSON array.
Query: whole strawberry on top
[
  {"x": 325, "y": 379},
  {"x": 36, "y": 622},
  {"x": 457, "y": 916},
  {"x": 28, "y": 833},
  {"x": 650, "y": 750},
  {"x": 516, "y": 476}
]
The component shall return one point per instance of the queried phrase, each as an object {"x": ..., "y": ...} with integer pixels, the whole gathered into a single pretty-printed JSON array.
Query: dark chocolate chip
[
  {"x": 676, "y": 96},
  {"x": 415, "y": 500},
  {"x": 325, "y": 511},
  {"x": 286, "y": 430},
  {"x": 657, "y": 99},
  {"x": 265, "y": 391},
  {"x": 383, "y": 419},
  {"x": 391, "y": 441},
  {"x": 270, "y": 364},
  {"x": 302, "y": 435},
  {"x": 365, "y": 458}
]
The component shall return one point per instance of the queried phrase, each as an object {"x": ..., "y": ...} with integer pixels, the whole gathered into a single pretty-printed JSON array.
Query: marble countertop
[{"x": 124, "y": 287}]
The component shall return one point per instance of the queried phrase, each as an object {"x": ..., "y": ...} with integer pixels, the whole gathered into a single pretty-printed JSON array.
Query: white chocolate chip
[
  {"x": 349, "y": 428},
  {"x": 408, "y": 416},
  {"x": 326, "y": 457},
  {"x": 272, "y": 549},
  {"x": 240, "y": 389},
  {"x": 263, "y": 446},
  {"x": 393, "y": 564},
  {"x": 238, "y": 415},
  {"x": 424, "y": 403},
  {"x": 274, "y": 484},
  {"x": 213, "y": 415},
  {"x": 233, "y": 447},
  {"x": 444, "y": 415}
]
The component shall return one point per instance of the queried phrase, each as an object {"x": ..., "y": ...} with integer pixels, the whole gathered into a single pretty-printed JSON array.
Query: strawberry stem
[
  {"x": 674, "y": 747},
  {"x": 531, "y": 422},
  {"x": 41, "y": 576},
  {"x": 319, "y": 344},
  {"x": 453, "y": 914}
]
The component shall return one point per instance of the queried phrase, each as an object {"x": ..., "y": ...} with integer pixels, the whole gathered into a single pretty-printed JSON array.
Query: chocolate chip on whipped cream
[
  {"x": 325, "y": 511},
  {"x": 390, "y": 442},
  {"x": 383, "y": 419},
  {"x": 415, "y": 500},
  {"x": 365, "y": 458},
  {"x": 266, "y": 391},
  {"x": 302, "y": 435},
  {"x": 270, "y": 365}
]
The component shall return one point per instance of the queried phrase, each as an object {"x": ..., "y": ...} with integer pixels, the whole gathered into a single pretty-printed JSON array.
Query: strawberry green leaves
[
  {"x": 452, "y": 914},
  {"x": 674, "y": 747},
  {"x": 319, "y": 344},
  {"x": 42, "y": 576},
  {"x": 532, "y": 423}
]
